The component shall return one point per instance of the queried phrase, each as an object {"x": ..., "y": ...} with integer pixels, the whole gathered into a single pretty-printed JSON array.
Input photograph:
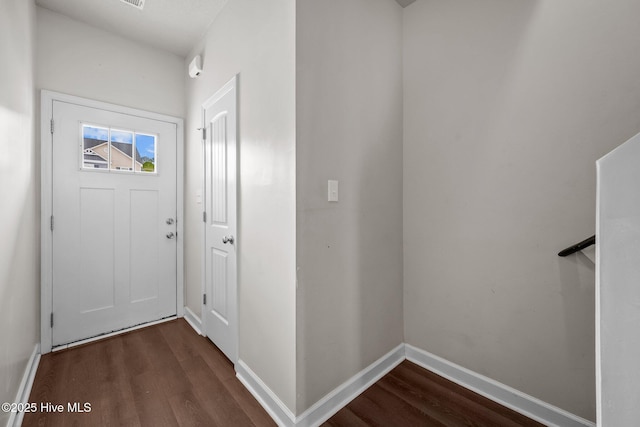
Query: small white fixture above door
[{"x": 195, "y": 67}]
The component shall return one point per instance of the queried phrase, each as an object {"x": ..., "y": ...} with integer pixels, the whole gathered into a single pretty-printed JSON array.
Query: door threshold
[{"x": 112, "y": 334}]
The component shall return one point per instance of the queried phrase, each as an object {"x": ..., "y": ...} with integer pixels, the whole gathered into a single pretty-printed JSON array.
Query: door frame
[
  {"x": 231, "y": 85},
  {"x": 46, "y": 200}
]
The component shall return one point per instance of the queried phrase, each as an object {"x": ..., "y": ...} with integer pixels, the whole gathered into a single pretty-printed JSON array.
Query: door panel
[
  {"x": 219, "y": 284},
  {"x": 96, "y": 255},
  {"x": 113, "y": 265},
  {"x": 220, "y": 311},
  {"x": 145, "y": 252},
  {"x": 217, "y": 157}
]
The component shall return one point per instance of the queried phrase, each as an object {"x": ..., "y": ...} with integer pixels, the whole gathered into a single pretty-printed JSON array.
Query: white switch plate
[
  {"x": 333, "y": 191},
  {"x": 198, "y": 196}
]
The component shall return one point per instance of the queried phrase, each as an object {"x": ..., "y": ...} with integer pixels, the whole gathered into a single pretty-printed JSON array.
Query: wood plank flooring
[
  {"x": 412, "y": 396},
  {"x": 162, "y": 375},
  {"x": 167, "y": 375}
]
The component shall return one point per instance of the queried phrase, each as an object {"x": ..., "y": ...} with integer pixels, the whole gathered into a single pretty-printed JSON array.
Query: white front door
[
  {"x": 114, "y": 221},
  {"x": 220, "y": 305}
]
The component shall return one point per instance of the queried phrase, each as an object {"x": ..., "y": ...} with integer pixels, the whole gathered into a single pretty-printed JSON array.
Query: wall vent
[{"x": 135, "y": 3}]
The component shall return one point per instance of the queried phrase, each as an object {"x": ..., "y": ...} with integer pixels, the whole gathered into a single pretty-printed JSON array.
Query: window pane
[
  {"x": 146, "y": 152},
  {"x": 95, "y": 147},
  {"x": 122, "y": 150}
]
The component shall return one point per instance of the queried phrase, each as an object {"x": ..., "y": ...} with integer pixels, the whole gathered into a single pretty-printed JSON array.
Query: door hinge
[
  {"x": 51, "y": 222},
  {"x": 52, "y": 320},
  {"x": 204, "y": 299},
  {"x": 204, "y": 134},
  {"x": 52, "y": 126},
  {"x": 204, "y": 216}
]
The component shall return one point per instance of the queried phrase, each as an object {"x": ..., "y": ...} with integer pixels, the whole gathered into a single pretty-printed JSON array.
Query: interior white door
[
  {"x": 114, "y": 221},
  {"x": 220, "y": 305},
  {"x": 618, "y": 287}
]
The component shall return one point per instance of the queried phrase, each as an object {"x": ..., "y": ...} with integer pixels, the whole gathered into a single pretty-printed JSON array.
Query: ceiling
[{"x": 171, "y": 25}]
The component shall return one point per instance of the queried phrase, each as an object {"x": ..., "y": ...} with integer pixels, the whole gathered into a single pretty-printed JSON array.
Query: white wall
[
  {"x": 618, "y": 293},
  {"x": 349, "y": 128},
  {"x": 255, "y": 38},
  {"x": 82, "y": 60},
  {"x": 507, "y": 106},
  {"x": 19, "y": 219}
]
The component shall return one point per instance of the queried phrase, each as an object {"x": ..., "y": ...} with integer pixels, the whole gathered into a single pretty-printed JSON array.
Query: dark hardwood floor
[
  {"x": 412, "y": 396},
  {"x": 167, "y": 375},
  {"x": 162, "y": 375}
]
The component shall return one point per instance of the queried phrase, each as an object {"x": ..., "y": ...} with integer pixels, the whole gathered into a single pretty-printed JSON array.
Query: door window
[{"x": 121, "y": 150}]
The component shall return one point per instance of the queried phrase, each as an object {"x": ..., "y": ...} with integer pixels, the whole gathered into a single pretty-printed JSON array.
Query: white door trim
[{"x": 46, "y": 179}]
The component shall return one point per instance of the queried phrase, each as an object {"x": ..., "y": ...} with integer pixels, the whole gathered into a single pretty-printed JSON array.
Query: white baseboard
[
  {"x": 193, "y": 320},
  {"x": 265, "y": 396},
  {"x": 326, "y": 407},
  {"x": 15, "y": 419},
  {"x": 340, "y": 397},
  {"x": 511, "y": 398}
]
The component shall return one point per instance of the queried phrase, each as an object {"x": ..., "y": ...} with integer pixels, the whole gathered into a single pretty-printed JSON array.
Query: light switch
[
  {"x": 198, "y": 196},
  {"x": 333, "y": 191}
]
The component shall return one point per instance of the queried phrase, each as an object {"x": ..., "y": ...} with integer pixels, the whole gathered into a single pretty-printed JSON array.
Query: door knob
[
  {"x": 170, "y": 235},
  {"x": 227, "y": 239}
]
